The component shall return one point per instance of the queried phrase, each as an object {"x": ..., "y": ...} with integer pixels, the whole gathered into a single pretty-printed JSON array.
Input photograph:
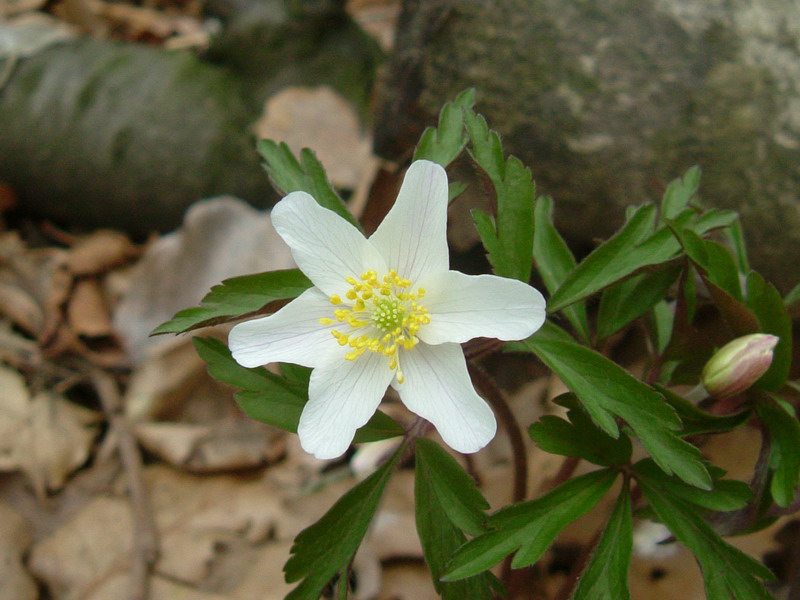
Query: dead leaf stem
[{"x": 145, "y": 536}]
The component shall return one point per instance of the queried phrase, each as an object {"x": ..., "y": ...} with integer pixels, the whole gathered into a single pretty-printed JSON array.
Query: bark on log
[
  {"x": 101, "y": 134},
  {"x": 126, "y": 136},
  {"x": 609, "y": 101}
]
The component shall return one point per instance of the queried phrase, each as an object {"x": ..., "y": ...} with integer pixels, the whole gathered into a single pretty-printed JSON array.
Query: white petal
[
  {"x": 463, "y": 307},
  {"x": 413, "y": 236},
  {"x": 437, "y": 387},
  {"x": 342, "y": 396},
  {"x": 327, "y": 248},
  {"x": 293, "y": 334}
]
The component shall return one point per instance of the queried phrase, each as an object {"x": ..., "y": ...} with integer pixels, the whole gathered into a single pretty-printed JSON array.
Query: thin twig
[
  {"x": 145, "y": 536},
  {"x": 566, "y": 471},
  {"x": 488, "y": 389}
]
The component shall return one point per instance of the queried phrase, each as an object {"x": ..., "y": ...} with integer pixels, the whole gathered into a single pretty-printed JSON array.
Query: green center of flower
[
  {"x": 388, "y": 314},
  {"x": 378, "y": 315}
]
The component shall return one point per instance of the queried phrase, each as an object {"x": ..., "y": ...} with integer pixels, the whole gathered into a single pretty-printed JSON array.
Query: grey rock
[{"x": 609, "y": 101}]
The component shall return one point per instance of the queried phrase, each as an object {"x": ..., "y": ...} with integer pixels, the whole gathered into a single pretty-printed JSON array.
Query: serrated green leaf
[
  {"x": 663, "y": 318},
  {"x": 326, "y": 548},
  {"x": 379, "y": 427},
  {"x": 447, "y": 505},
  {"x": 236, "y": 297},
  {"x": 715, "y": 218},
  {"x": 529, "y": 527},
  {"x": 281, "y": 410},
  {"x": 627, "y": 300},
  {"x": 455, "y": 189},
  {"x": 288, "y": 175},
  {"x": 713, "y": 260},
  {"x": 727, "y": 572},
  {"x": 620, "y": 257},
  {"x": 455, "y": 490},
  {"x": 735, "y": 237},
  {"x": 222, "y": 367},
  {"x": 793, "y": 297},
  {"x": 508, "y": 238},
  {"x": 696, "y": 421},
  {"x": 486, "y": 150},
  {"x": 679, "y": 193},
  {"x": 580, "y": 437},
  {"x": 279, "y": 401},
  {"x": 606, "y": 390},
  {"x": 727, "y": 494},
  {"x": 613, "y": 260},
  {"x": 765, "y": 301},
  {"x": 554, "y": 262},
  {"x": 443, "y": 144},
  {"x": 485, "y": 225},
  {"x": 606, "y": 575},
  {"x": 784, "y": 430}
]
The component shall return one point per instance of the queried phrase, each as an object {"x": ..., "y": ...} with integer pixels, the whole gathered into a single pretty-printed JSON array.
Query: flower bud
[{"x": 738, "y": 365}]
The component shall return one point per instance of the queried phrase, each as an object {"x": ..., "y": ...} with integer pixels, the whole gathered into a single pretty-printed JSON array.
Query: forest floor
[{"x": 125, "y": 467}]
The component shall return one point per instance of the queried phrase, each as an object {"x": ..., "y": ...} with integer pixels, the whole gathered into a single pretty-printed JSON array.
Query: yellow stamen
[{"x": 380, "y": 315}]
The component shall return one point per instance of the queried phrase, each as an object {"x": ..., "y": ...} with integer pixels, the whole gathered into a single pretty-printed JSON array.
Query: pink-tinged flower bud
[{"x": 738, "y": 365}]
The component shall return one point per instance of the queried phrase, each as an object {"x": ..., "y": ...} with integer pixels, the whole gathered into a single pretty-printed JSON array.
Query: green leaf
[
  {"x": 679, "y": 193},
  {"x": 279, "y": 401},
  {"x": 606, "y": 390},
  {"x": 554, "y": 261},
  {"x": 785, "y": 456},
  {"x": 713, "y": 260},
  {"x": 236, "y": 297},
  {"x": 454, "y": 489},
  {"x": 663, "y": 318},
  {"x": 793, "y": 297},
  {"x": 447, "y": 505},
  {"x": 606, "y": 575},
  {"x": 326, "y": 548},
  {"x": 306, "y": 175},
  {"x": 508, "y": 237},
  {"x": 281, "y": 410},
  {"x": 623, "y": 302},
  {"x": 625, "y": 253},
  {"x": 765, "y": 301},
  {"x": 727, "y": 572},
  {"x": 444, "y": 144},
  {"x": 615, "y": 259},
  {"x": 580, "y": 437},
  {"x": 696, "y": 421},
  {"x": 727, "y": 495},
  {"x": 735, "y": 237},
  {"x": 529, "y": 527}
]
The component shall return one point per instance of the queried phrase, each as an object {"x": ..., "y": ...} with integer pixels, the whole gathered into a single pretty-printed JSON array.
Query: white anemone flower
[{"x": 386, "y": 310}]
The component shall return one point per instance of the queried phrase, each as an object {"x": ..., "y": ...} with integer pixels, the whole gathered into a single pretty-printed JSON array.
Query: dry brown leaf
[
  {"x": 16, "y": 349},
  {"x": 20, "y": 308},
  {"x": 87, "y": 312},
  {"x": 45, "y": 436},
  {"x": 164, "y": 382},
  {"x": 161, "y": 588},
  {"x": 9, "y": 8},
  {"x": 263, "y": 576},
  {"x": 231, "y": 445},
  {"x": 378, "y": 18},
  {"x": 320, "y": 119},
  {"x": 42, "y": 281},
  {"x": 407, "y": 582},
  {"x": 196, "y": 518},
  {"x": 220, "y": 238},
  {"x": 15, "y": 537},
  {"x": 99, "y": 252}
]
